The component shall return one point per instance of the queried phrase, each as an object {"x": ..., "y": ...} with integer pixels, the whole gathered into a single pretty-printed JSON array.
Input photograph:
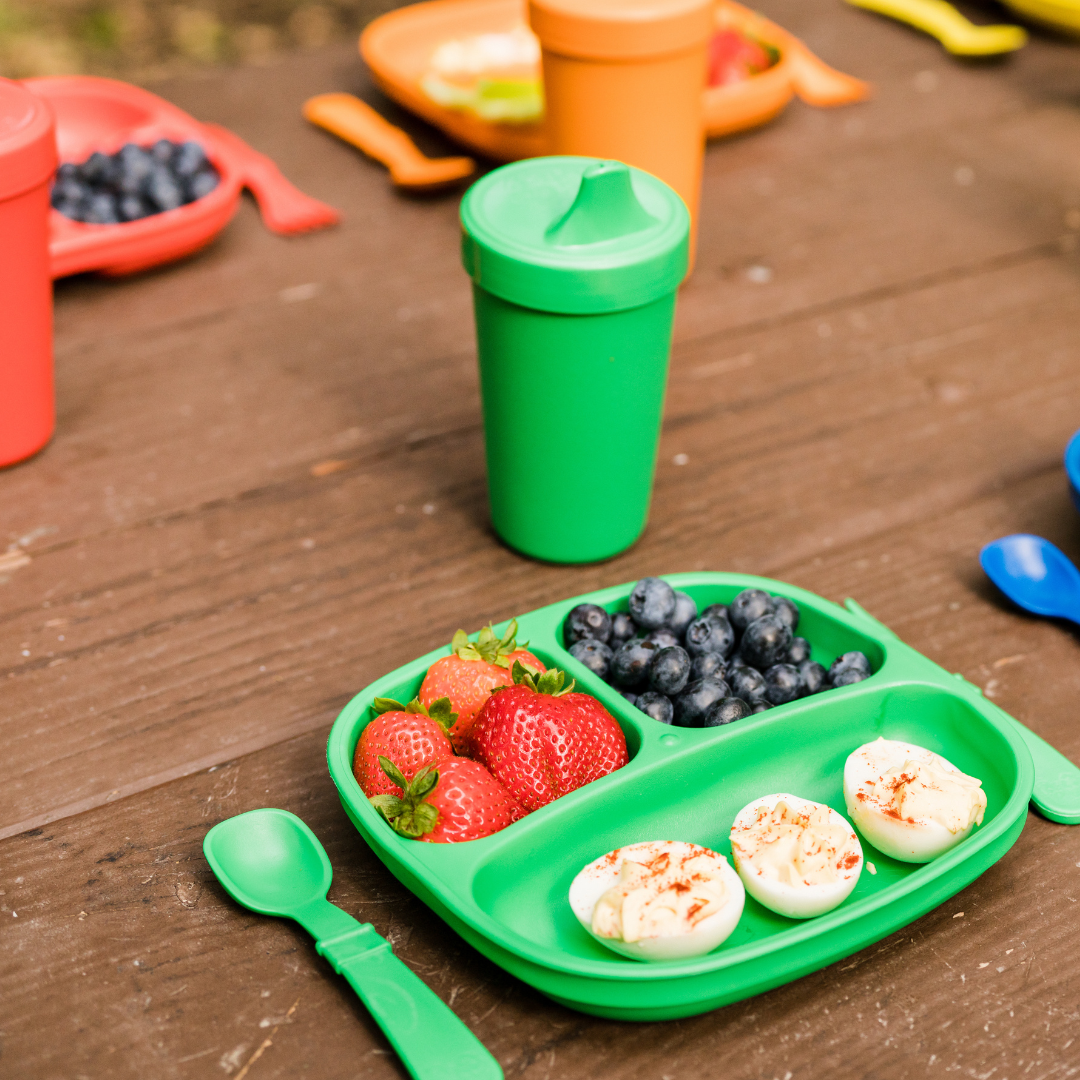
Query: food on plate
[
  {"x": 658, "y": 900},
  {"x": 735, "y": 57},
  {"x": 471, "y": 671},
  {"x": 909, "y": 802},
  {"x": 542, "y": 740},
  {"x": 495, "y": 75},
  {"x": 796, "y": 857},
  {"x": 447, "y": 803},
  {"x": 411, "y": 736},
  {"x": 135, "y": 182},
  {"x": 703, "y": 663}
]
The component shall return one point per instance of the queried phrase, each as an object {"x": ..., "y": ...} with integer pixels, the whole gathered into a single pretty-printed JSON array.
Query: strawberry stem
[
  {"x": 546, "y": 682},
  {"x": 410, "y": 815},
  {"x": 487, "y": 647},
  {"x": 439, "y": 710}
]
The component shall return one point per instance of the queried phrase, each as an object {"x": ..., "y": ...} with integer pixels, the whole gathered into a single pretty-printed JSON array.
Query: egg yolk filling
[
  {"x": 796, "y": 848},
  {"x": 664, "y": 897},
  {"x": 922, "y": 791}
]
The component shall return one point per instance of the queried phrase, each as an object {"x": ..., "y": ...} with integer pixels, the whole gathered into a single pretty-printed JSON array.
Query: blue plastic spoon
[
  {"x": 1035, "y": 575},
  {"x": 1038, "y": 577},
  {"x": 270, "y": 861}
]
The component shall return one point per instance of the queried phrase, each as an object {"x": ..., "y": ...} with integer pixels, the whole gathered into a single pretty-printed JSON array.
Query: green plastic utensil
[
  {"x": 942, "y": 21},
  {"x": 271, "y": 862}
]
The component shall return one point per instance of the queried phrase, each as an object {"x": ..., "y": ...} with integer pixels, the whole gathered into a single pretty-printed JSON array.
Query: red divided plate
[{"x": 103, "y": 114}]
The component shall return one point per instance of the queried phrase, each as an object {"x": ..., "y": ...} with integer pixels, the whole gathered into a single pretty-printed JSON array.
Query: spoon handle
[{"x": 431, "y": 1041}]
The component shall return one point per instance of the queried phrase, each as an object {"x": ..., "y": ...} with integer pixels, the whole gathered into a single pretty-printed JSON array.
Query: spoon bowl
[
  {"x": 1034, "y": 574},
  {"x": 269, "y": 861},
  {"x": 1072, "y": 467}
]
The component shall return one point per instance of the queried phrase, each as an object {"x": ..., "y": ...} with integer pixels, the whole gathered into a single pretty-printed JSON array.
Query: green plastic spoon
[
  {"x": 271, "y": 862},
  {"x": 942, "y": 21}
]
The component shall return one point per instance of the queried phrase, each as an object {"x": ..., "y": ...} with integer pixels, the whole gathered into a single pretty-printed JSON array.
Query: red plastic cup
[{"x": 27, "y": 164}]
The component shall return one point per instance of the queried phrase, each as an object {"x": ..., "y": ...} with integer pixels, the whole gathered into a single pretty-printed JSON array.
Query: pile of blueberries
[
  {"x": 133, "y": 183},
  {"x": 703, "y": 669}
]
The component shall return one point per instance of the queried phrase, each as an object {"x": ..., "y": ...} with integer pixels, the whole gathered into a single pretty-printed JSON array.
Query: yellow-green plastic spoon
[
  {"x": 271, "y": 862},
  {"x": 942, "y": 21}
]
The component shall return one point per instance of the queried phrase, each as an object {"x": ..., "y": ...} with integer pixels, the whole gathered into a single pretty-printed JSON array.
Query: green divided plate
[{"x": 507, "y": 894}]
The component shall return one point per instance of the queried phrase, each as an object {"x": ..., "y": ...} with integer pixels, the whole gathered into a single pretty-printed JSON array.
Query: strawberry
[
  {"x": 410, "y": 735},
  {"x": 447, "y": 802},
  {"x": 733, "y": 57},
  {"x": 541, "y": 740},
  {"x": 471, "y": 671}
]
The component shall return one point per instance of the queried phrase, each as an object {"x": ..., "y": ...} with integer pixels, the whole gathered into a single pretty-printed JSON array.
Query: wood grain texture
[{"x": 267, "y": 489}]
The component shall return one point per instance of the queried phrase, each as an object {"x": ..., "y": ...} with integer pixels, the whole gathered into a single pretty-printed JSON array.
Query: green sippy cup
[{"x": 575, "y": 265}]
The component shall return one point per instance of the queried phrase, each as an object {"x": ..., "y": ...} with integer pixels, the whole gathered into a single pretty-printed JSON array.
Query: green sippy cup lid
[{"x": 574, "y": 235}]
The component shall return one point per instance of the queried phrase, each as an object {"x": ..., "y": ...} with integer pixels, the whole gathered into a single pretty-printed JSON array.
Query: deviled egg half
[
  {"x": 908, "y": 801},
  {"x": 796, "y": 857},
  {"x": 658, "y": 900}
]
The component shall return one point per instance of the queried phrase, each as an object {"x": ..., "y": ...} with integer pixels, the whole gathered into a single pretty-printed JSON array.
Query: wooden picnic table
[{"x": 267, "y": 488}]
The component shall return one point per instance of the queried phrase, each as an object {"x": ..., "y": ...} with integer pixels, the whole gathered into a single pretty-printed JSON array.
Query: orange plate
[{"x": 398, "y": 46}]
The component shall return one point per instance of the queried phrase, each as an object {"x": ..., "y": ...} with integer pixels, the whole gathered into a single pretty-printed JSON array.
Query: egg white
[
  {"x": 915, "y": 841},
  {"x": 600, "y": 875},
  {"x": 796, "y": 901}
]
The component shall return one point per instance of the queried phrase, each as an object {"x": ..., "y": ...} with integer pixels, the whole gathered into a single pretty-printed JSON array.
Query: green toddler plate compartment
[{"x": 507, "y": 894}]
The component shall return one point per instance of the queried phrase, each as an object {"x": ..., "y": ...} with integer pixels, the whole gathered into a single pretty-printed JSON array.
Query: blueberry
[
  {"x": 68, "y": 171},
  {"x": 707, "y": 634},
  {"x": 685, "y": 613},
  {"x": 98, "y": 169},
  {"x": 736, "y": 660},
  {"x": 67, "y": 190},
  {"x": 622, "y": 627},
  {"x": 850, "y": 668},
  {"x": 664, "y": 638},
  {"x": 717, "y": 611},
  {"x": 201, "y": 184},
  {"x": 630, "y": 664},
  {"x": 787, "y": 611},
  {"x": 765, "y": 642},
  {"x": 749, "y": 606},
  {"x": 595, "y": 655},
  {"x": 100, "y": 209},
  {"x": 761, "y": 706},
  {"x": 652, "y": 603},
  {"x": 132, "y": 207},
  {"x": 188, "y": 159},
  {"x": 847, "y": 677},
  {"x": 162, "y": 151},
  {"x": 708, "y": 664},
  {"x": 657, "y": 706},
  {"x": 697, "y": 699},
  {"x": 814, "y": 677},
  {"x": 782, "y": 683},
  {"x": 162, "y": 190},
  {"x": 670, "y": 670},
  {"x": 587, "y": 621},
  {"x": 798, "y": 651},
  {"x": 134, "y": 167},
  {"x": 747, "y": 683},
  {"x": 73, "y": 210},
  {"x": 726, "y": 711},
  {"x": 632, "y": 698}
]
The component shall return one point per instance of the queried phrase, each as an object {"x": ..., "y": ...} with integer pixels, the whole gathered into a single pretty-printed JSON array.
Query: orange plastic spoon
[{"x": 350, "y": 119}]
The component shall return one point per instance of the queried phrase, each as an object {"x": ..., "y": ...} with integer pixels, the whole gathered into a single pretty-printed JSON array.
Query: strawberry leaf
[
  {"x": 487, "y": 646},
  {"x": 409, "y": 816},
  {"x": 543, "y": 682},
  {"x": 395, "y": 774},
  {"x": 386, "y": 704},
  {"x": 440, "y": 712}
]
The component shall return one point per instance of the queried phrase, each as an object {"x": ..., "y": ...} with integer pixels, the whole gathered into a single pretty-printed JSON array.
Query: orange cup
[{"x": 623, "y": 80}]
